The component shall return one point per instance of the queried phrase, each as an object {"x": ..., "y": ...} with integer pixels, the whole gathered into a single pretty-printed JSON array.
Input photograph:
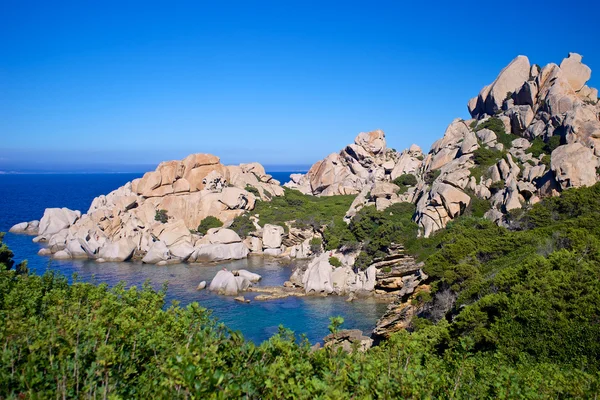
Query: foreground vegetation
[{"x": 514, "y": 313}]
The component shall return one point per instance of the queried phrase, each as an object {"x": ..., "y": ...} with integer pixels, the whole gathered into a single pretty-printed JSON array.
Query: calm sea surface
[{"x": 24, "y": 197}]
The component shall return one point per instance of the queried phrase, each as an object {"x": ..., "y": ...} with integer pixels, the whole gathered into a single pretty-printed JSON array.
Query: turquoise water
[{"x": 24, "y": 197}]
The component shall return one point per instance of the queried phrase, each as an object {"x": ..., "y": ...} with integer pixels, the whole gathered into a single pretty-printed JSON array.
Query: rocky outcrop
[
  {"x": 398, "y": 315},
  {"x": 523, "y": 104},
  {"x": 28, "y": 228},
  {"x": 574, "y": 165},
  {"x": 231, "y": 283},
  {"x": 320, "y": 277},
  {"x": 349, "y": 171},
  {"x": 124, "y": 224},
  {"x": 510, "y": 79}
]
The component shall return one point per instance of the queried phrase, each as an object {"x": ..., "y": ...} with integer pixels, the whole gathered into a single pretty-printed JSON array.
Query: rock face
[
  {"x": 123, "y": 224},
  {"x": 574, "y": 165},
  {"x": 320, "y": 277},
  {"x": 225, "y": 282},
  {"x": 510, "y": 79},
  {"x": 524, "y": 104},
  {"x": 57, "y": 219},
  {"x": 350, "y": 170},
  {"x": 28, "y": 228}
]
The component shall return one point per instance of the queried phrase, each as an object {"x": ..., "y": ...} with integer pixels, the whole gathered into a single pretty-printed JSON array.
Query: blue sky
[{"x": 90, "y": 83}]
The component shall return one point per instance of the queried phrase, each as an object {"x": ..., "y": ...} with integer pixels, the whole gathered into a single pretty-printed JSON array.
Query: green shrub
[
  {"x": 546, "y": 160},
  {"x": 315, "y": 245},
  {"x": 497, "y": 186},
  {"x": 253, "y": 190},
  {"x": 497, "y": 126},
  {"x": 209, "y": 223},
  {"x": 335, "y": 323},
  {"x": 477, "y": 207},
  {"x": 487, "y": 157},
  {"x": 473, "y": 124},
  {"x": 242, "y": 225},
  {"x": 338, "y": 235},
  {"x": 406, "y": 180},
  {"x": 431, "y": 176},
  {"x": 161, "y": 216},
  {"x": 335, "y": 262},
  {"x": 363, "y": 261},
  {"x": 539, "y": 147}
]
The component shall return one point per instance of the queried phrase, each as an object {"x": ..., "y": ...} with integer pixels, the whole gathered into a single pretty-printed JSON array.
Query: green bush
[
  {"x": 242, "y": 225},
  {"x": 487, "y": 157},
  {"x": 546, "y": 160},
  {"x": 539, "y": 147},
  {"x": 363, "y": 261},
  {"x": 524, "y": 293},
  {"x": 497, "y": 126},
  {"x": 315, "y": 245},
  {"x": 338, "y": 235},
  {"x": 431, "y": 176},
  {"x": 161, "y": 216},
  {"x": 253, "y": 190},
  {"x": 209, "y": 223},
  {"x": 497, "y": 186},
  {"x": 406, "y": 180},
  {"x": 335, "y": 262},
  {"x": 477, "y": 207}
]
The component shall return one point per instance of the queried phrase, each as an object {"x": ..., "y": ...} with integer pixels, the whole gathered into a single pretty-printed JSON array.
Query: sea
[{"x": 24, "y": 197}]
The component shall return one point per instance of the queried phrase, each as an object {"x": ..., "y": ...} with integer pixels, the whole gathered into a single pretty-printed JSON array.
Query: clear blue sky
[{"x": 277, "y": 82}]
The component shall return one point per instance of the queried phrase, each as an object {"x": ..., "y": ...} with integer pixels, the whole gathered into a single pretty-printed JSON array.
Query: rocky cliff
[{"x": 534, "y": 132}]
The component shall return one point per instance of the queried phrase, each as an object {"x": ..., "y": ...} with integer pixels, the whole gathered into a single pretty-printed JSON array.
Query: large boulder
[
  {"x": 575, "y": 71},
  {"x": 317, "y": 278},
  {"x": 272, "y": 236},
  {"x": 121, "y": 250},
  {"x": 225, "y": 282},
  {"x": 221, "y": 236},
  {"x": 158, "y": 252},
  {"x": 28, "y": 228},
  {"x": 250, "y": 276},
  {"x": 219, "y": 252},
  {"x": 57, "y": 219},
  {"x": 510, "y": 79},
  {"x": 574, "y": 165}
]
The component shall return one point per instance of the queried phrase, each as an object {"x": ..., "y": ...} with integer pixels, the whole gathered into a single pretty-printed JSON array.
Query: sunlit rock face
[{"x": 154, "y": 218}]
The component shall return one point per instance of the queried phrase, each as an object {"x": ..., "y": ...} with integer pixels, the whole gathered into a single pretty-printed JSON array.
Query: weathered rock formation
[
  {"x": 320, "y": 277},
  {"x": 524, "y": 105},
  {"x": 124, "y": 224},
  {"x": 349, "y": 171},
  {"x": 230, "y": 283}
]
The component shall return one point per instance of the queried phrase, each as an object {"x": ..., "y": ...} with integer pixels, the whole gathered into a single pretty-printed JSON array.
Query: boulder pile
[
  {"x": 154, "y": 218},
  {"x": 534, "y": 132}
]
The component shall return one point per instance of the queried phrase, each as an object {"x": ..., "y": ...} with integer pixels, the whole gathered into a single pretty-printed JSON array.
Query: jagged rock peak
[{"x": 365, "y": 161}]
